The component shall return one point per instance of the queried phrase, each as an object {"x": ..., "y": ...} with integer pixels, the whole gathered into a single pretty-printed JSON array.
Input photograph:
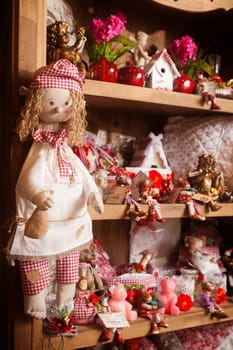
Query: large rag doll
[{"x": 53, "y": 188}]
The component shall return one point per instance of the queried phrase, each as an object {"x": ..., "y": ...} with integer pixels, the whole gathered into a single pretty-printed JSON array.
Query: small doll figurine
[
  {"x": 149, "y": 305},
  {"x": 84, "y": 309},
  {"x": 206, "y": 88},
  {"x": 149, "y": 195},
  {"x": 53, "y": 189},
  {"x": 208, "y": 301},
  {"x": 186, "y": 197},
  {"x": 94, "y": 281},
  {"x": 133, "y": 209}
]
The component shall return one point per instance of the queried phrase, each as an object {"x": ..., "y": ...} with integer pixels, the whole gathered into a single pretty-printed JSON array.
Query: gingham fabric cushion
[{"x": 185, "y": 138}]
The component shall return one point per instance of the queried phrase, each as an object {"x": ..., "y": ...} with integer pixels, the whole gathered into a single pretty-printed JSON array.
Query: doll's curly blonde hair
[{"x": 29, "y": 118}]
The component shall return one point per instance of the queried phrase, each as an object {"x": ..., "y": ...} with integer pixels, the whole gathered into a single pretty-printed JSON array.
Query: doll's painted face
[{"x": 56, "y": 106}]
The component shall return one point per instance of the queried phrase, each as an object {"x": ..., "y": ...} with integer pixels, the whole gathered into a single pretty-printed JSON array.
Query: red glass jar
[
  {"x": 131, "y": 75},
  {"x": 103, "y": 70}
]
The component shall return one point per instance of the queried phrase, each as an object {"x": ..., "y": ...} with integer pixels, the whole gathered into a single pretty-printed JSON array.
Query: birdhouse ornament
[
  {"x": 53, "y": 188},
  {"x": 161, "y": 71}
]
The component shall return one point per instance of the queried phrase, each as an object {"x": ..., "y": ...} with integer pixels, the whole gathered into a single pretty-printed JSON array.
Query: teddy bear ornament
[{"x": 53, "y": 188}]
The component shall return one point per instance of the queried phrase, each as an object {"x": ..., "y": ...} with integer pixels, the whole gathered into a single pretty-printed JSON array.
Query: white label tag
[{"x": 114, "y": 320}]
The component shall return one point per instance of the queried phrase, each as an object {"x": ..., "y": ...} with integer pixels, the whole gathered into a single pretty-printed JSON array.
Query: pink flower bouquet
[
  {"x": 188, "y": 59},
  {"x": 103, "y": 33}
]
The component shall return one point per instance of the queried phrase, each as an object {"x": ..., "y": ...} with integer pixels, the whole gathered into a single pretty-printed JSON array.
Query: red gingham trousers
[{"x": 35, "y": 275}]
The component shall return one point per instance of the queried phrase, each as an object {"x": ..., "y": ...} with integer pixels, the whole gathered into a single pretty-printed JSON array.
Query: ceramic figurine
[
  {"x": 141, "y": 55},
  {"x": 207, "y": 181},
  {"x": 58, "y": 46}
]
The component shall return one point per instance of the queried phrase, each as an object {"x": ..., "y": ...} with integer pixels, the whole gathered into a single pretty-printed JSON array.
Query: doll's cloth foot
[
  {"x": 65, "y": 294},
  {"x": 214, "y": 105},
  {"x": 198, "y": 217},
  {"x": 219, "y": 315},
  {"x": 105, "y": 336},
  {"x": 163, "y": 324},
  {"x": 118, "y": 337},
  {"x": 162, "y": 220},
  {"x": 35, "y": 306},
  {"x": 154, "y": 328},
  {"x": 214, "y": 206}
]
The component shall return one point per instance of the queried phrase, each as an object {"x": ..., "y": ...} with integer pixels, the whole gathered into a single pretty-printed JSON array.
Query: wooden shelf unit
[
  {"x": 89, "y": 335},
  {"x": 29, "y": 53}
]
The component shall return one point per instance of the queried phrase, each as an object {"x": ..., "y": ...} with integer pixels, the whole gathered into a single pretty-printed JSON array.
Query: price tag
[{"x": 114, "y": 319}]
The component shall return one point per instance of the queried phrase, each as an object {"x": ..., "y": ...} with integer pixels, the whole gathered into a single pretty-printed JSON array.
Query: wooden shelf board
[
  {"x": 117, "y": 211},
  {"x": 194, "y": 318},
  {"x": 145, "y": 100},
  {"x": 88, "y": 335}
]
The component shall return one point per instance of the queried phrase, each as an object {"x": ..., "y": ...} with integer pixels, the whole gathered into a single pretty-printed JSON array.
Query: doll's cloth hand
[
  {"x": 95, "y": 200},
  {"x": 43, "y": 200}
]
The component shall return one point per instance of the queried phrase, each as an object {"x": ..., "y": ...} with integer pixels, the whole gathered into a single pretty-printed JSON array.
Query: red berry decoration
[{"x": 183, "y": 84}]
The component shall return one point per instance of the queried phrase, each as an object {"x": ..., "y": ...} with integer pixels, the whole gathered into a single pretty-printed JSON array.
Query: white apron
[{"x": 69, "y": 225}]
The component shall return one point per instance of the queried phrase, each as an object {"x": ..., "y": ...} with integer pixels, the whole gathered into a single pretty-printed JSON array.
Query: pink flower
[
  {"x": 183, "y": 50},
  {"x": 104, "y": 36},
  {"x": 106, "y": 30},
  {"x": 96, "y": 28}
]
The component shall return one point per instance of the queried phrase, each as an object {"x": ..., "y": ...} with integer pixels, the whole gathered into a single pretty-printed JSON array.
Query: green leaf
[
  {"x": 192, "y": 67},
  {"x": 118, "y": 53},
  {"x": 95, "y": 51},
  {"x": 203, "y": 65},
  {"x": 124, "y": 41}
]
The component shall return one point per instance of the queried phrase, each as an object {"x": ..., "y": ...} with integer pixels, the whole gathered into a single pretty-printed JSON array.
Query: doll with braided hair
[{"x": 53, "y": 188}]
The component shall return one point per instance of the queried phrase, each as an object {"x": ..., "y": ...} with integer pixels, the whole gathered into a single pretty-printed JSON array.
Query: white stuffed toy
[{"x": 53, "y": 188}]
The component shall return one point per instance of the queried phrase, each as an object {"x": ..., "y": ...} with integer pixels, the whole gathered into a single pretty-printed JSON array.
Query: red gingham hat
[{"x": 62, "y": 74}]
